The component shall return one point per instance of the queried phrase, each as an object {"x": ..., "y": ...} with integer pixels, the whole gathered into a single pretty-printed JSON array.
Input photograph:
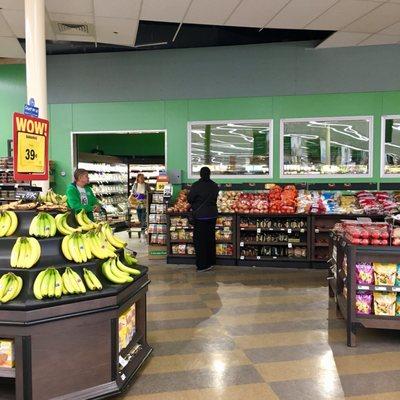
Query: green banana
[{"x": 124, "y": 268}]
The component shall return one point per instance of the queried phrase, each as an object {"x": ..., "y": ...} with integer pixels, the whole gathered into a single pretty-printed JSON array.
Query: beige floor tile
[
  {"x": 322, "y": 367},
  {"x": 279, "y": 316},
  {"x": 184, "y": 334},
  {"x": 255, "y": 300},
  {"x": 377, "y": 396},
  {"x": 179, "y": 314},
  {"x": 190, "y": 298},
  {"x": 185, "y": 362},
  {"x": 366, "y": 363},
  {"x": 182, "y": 395},
  {"x": 288, "y": 338},
  {"x": 260, "y": 391}
]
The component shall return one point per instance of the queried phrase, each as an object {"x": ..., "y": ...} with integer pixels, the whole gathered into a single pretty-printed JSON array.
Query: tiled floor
[{"x": 245, "y": 333}]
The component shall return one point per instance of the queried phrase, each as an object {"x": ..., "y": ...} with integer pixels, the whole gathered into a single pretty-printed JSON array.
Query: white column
[{"x": 35, "y": 48}]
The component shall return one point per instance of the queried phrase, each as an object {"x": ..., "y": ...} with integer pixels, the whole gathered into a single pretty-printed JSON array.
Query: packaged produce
[
  {"x": 6, "y": 353},
  {"x": 398, "y": 275},
  {"x": 385, "y": 304},
  {"x": 251, "y": 203},
  {"x": 363, "y": 303},
  {"x": 181, "y": 204},
  {"x": 226, "y": 201},
  {"x": 385, "y": 274},
  {"x": 364, "y": 274}
]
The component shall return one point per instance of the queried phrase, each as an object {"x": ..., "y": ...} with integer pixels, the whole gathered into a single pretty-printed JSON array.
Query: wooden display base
[{"x": 71, "y": 351}]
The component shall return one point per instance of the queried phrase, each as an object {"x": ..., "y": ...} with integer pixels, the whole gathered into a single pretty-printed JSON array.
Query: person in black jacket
[{"x": 203, "y": 200}]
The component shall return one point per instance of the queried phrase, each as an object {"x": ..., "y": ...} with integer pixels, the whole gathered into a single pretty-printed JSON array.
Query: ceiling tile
[
  {"x": 379, "y": 39},
  {"x": 72, "y": 18},
  {"x": 255, "y": 13},
  {"x": 10, "y": 47},
  {"x": 161, "y": 10},
  {"x": 298, "y": 13},
  {"x": 343, "y": 39},
  {"x": 383, "y": 16},
  {"x": 80, "y": 7},
  {"x": 210, "y": 12},
  {"x": 4, "y": 28},
  {"x": 392, "y": 29},
  {"x": 341, "y": 14},
  {"x": 12, "y": 4},
  {"x": 126, "y": 28},
  {"x": 16, "y": 21},
  {"x": 117, "y": 8}
]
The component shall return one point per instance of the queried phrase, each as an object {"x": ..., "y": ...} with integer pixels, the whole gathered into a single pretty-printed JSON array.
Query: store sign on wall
[{"x": 31, "y": 144}]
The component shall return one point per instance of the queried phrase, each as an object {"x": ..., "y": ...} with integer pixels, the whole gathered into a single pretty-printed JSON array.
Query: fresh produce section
[
  {"x": 365, "y": 278},
  {"x": 62, "y": 281}
]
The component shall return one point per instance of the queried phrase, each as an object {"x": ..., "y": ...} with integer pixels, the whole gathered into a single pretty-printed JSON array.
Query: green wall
[
  {"x": 12, "y": 98},
  {"x": 146, "y": 144},
  {"x": 174, "y": 115}
]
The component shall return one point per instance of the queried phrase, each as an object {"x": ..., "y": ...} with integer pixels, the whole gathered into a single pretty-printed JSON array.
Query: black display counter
[{"x": 69, "y": 348}]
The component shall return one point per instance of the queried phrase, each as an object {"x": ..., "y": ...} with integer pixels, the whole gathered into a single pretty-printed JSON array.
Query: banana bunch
[
  {"x": 48, "y": 283},
  {"x": 76, "y": 247},
  {"x": 116, "y": 272},
  {"x": 8, "y": 223},
  {"x": 91, "y": 280},
  {"x": 99, "y": 245},
  {"x": 62, "y": 225},
  {"x": 52, "y": 198},
  {"x": 110, "y": 237},
  {"x": 128, "y": 258},
  {"x": 43, "y": 225},
  {"x": 10, "y": 287},
  {"x": 84, "y": 221},
  {"x": 25, "y": 252},
  {"x": 72, "y": 282}
]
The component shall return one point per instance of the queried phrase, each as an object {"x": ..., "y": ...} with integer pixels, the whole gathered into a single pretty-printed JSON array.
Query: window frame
[
  {"x": 268, "y": 176},
  {"x": 282, "y": 122},
  {"x": 383, "y": 153}
]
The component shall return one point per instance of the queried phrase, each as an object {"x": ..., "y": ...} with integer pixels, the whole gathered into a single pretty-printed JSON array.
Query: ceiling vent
[{"x": 65, "y": 28}]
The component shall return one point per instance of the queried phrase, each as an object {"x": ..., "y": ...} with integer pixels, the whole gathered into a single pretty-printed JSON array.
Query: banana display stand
[{"x": 72, "y": 347}]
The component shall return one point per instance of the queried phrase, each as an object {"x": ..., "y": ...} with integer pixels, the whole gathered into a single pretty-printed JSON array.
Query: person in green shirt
[{"x": 80, "y": 195}]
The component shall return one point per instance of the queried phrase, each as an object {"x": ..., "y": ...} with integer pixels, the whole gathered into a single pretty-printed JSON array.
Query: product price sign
[{"x": 31, "y": 138}]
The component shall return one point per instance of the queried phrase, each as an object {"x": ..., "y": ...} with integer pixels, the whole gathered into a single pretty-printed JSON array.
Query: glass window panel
[
  {"x": 392, "y": 146},
  {"x": 326, "y": 147},
  {"x": 230, "y": 147}
]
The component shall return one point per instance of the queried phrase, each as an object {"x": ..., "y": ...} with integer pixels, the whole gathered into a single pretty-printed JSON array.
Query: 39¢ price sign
[{"x": 31, "y": 139}]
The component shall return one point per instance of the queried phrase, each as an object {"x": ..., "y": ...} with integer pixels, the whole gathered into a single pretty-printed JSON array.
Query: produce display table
[
  {"x": 70, "y": 347},
  {"x": 264, "y": 240},
  {"x": 344, "y": 288}
]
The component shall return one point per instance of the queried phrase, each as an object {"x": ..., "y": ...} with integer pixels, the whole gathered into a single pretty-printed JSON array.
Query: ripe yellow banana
[
  {"x": 51, "y": 283},
  {"x": 124, "y": 268},
  {"x": 78, "y": 280},
  {"x": 65, "y": 247},
  {"x": 109, "y": 236},
  {"x": 15, "y": 253},
  {"x": 36, "y": 251},
  {"x": 13, "y": 289},
  {"x": 3, "y": 284},
  {"x": 38, "y": 284},
  {"x": 67, "y": 284},
  {"x": 74, "y": 248},
  {"x": 5, "y": 223},
  {"x": 73, "y": 281},
  {"x": 80, "y": 218},
  {"x": 14, "y": 222},
  {"x": 91, "y": 280}
]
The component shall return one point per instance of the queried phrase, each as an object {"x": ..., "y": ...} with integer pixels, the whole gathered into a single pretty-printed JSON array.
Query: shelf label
[
  {"x": 395, "y": 289},
  {"x": 123, "y": 362},
  {"x": 317, "y": 231},
  {"x": 381, "y": 288},
  {"x": 241, "y": 244},
  {"x": 289, "y": 231},
  {"x": 242, "y": 229},
  {"x": 30, "y": 138},
  {"x": 258, "y": 230},
  {"x": 359, "y": 287},
  {"x": 289, "y": 245},
  {"x": 242, "y": 257},
  {"x": 302, "y": 230},
  {"x": 123, "y": 377},
  {"x": 258, "y": 257},
  {"x": 274, "y": 257},
  {"x": 271, "y": 229}
]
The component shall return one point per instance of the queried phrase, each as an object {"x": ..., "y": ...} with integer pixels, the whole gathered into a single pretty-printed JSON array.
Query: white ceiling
[{"x": 357, "y": 22}]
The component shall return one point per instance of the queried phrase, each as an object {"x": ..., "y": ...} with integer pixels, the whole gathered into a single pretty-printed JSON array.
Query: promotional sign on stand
[{"x": 31, "y": 148}]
